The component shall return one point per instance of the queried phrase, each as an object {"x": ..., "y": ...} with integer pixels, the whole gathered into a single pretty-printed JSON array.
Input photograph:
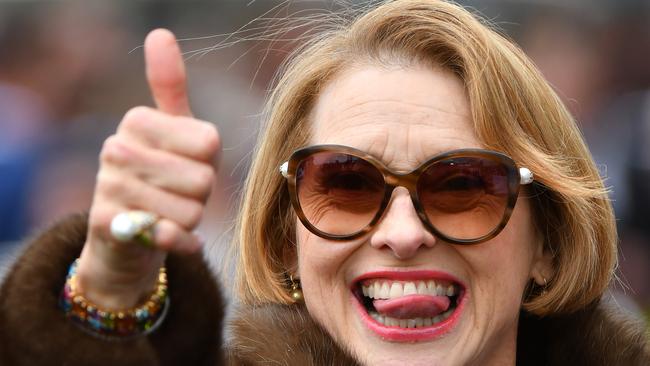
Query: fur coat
[{"x": 34, "y": 331}]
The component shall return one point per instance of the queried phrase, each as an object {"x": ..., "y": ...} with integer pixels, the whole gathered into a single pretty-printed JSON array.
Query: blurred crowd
[{"x": 70, "y": 69}]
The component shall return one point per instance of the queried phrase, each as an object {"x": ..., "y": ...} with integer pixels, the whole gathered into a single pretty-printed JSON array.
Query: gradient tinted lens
[
  {"x": 339, "y": 194},
  {"x": 465, "y": 198}
]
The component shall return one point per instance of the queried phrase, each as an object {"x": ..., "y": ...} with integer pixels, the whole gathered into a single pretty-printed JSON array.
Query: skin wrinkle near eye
[
  {"x": 318, "y": 201},
  {"x": 322, "y": 204},
  {"x": 315, "y": 216}
]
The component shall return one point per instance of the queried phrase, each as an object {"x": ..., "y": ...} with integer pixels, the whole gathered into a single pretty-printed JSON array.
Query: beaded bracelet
[{"x": 140, "y": 320}]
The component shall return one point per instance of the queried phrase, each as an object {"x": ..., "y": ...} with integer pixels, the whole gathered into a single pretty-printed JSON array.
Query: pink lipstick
[{"x": 409, "y": 306}]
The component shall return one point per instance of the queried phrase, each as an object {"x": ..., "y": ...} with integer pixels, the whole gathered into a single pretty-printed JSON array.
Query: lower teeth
[{"x": 410, "y": 323}]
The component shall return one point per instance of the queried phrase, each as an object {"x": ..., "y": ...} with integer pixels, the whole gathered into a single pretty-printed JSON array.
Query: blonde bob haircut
[{"x": 514, "y": 111}]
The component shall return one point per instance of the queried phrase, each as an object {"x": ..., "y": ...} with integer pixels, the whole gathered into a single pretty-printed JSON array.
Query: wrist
[
  {"x": 118, "y": 322},
  {"x": 110, "y": 292},
  {"x": 115, "y": 283}
]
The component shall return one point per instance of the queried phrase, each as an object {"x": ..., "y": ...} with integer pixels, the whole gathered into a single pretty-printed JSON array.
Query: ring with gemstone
[{"x": 134, "y": 226}]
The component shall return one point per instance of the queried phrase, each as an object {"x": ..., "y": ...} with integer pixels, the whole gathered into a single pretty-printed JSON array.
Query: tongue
[{"x": 412, "y": 306}]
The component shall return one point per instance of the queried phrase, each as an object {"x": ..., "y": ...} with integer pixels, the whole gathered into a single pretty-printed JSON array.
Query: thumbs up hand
[{"x": 159, "y": 161}]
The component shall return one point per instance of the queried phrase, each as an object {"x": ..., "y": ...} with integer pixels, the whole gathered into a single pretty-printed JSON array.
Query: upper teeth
[{"x": 385, "y": 289}]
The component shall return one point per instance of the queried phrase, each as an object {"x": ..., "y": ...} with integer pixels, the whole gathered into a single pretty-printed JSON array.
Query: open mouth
[{"x": 409, "y": 309}]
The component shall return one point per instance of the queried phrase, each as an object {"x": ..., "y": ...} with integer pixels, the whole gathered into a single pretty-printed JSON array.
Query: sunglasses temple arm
[{"x": 526, "y": 176}]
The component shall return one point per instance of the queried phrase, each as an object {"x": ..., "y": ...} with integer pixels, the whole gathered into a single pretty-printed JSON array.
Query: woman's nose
[{"x": 400, "y": 228}]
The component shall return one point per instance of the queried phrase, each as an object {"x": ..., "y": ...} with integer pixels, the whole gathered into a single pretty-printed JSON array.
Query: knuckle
[
  {"x": 204, "y": 181},
  {"x": 114, "y": 151},
  {"x": 136, "y": 118},
  {"x": 193, "y": 215},
  {"x": 211, "y": 141},
  {"x": 110, "y": 186},
  {"x": 111, "y": 150},
  {"x": 166, "y": 237},
  {"x": 100, "y": 218}
]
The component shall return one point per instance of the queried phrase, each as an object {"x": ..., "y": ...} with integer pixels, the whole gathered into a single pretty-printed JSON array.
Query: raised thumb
[{"x": 165, "y": 71}]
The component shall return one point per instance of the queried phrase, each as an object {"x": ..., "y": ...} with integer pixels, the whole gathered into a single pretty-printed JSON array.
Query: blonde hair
[{"x": 514, "y": 110}]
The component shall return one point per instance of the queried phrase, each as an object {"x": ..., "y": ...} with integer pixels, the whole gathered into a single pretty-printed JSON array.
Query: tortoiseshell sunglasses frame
[{"x": 516, "y": 178}]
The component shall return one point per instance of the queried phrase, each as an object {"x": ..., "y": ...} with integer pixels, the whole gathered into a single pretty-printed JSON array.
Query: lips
[{"x": 409, "y": 306}]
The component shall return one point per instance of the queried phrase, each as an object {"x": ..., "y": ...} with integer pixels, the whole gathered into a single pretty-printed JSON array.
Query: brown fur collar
[
  {"x": 595, "y": 336},
  {"x": 601, "y": 334},
  {"x": 282, "y": 335},
  {"x": 33, "y": 331}
]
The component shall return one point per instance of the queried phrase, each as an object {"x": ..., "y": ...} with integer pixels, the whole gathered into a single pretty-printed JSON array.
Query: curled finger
[
  {"x": 169, "y": 236},
  {"x": 127, "y": 191}
]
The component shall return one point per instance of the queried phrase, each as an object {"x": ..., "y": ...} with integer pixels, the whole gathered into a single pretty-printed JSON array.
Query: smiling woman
[
  {"x": 419, "y": 196},
  {"x": 420, "y": 111}
]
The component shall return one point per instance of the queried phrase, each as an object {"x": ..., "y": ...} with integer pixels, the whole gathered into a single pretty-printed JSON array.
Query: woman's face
[{"x": 403, "y": 116}]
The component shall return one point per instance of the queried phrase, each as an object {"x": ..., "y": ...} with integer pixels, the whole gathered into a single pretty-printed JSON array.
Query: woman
[{"x": 416, "y": 177}]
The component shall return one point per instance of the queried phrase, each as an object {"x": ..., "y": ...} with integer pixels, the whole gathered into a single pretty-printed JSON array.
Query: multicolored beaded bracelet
[{"x": 140, "y": 320}]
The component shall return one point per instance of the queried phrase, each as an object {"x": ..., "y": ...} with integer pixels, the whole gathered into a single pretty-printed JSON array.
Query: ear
[
  {"x": 290, "y": 260},
  {"x": 542, "y": 269}
]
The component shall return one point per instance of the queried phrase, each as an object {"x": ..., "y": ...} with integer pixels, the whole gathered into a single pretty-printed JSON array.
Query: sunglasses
[{"x": 462, "y": 196}]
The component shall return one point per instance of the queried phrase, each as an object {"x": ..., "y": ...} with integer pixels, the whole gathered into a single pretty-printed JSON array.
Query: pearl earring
[{"x": 296, "y": 291}]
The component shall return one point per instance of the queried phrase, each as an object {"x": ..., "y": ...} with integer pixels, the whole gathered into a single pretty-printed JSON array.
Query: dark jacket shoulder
[
  {"x": 601, "y": 334},
  {"x": 34, "y": 331}
]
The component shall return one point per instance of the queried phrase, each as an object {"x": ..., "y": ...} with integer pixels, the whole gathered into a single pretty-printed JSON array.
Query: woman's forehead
[{"x": 401, "y": 116}]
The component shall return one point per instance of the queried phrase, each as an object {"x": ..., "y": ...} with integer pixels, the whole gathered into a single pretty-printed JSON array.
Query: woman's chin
[{"x": 410, "y": 341}]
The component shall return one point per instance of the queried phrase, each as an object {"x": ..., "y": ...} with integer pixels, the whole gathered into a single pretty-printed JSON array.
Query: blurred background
[{"x": 70, "y": 69}]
